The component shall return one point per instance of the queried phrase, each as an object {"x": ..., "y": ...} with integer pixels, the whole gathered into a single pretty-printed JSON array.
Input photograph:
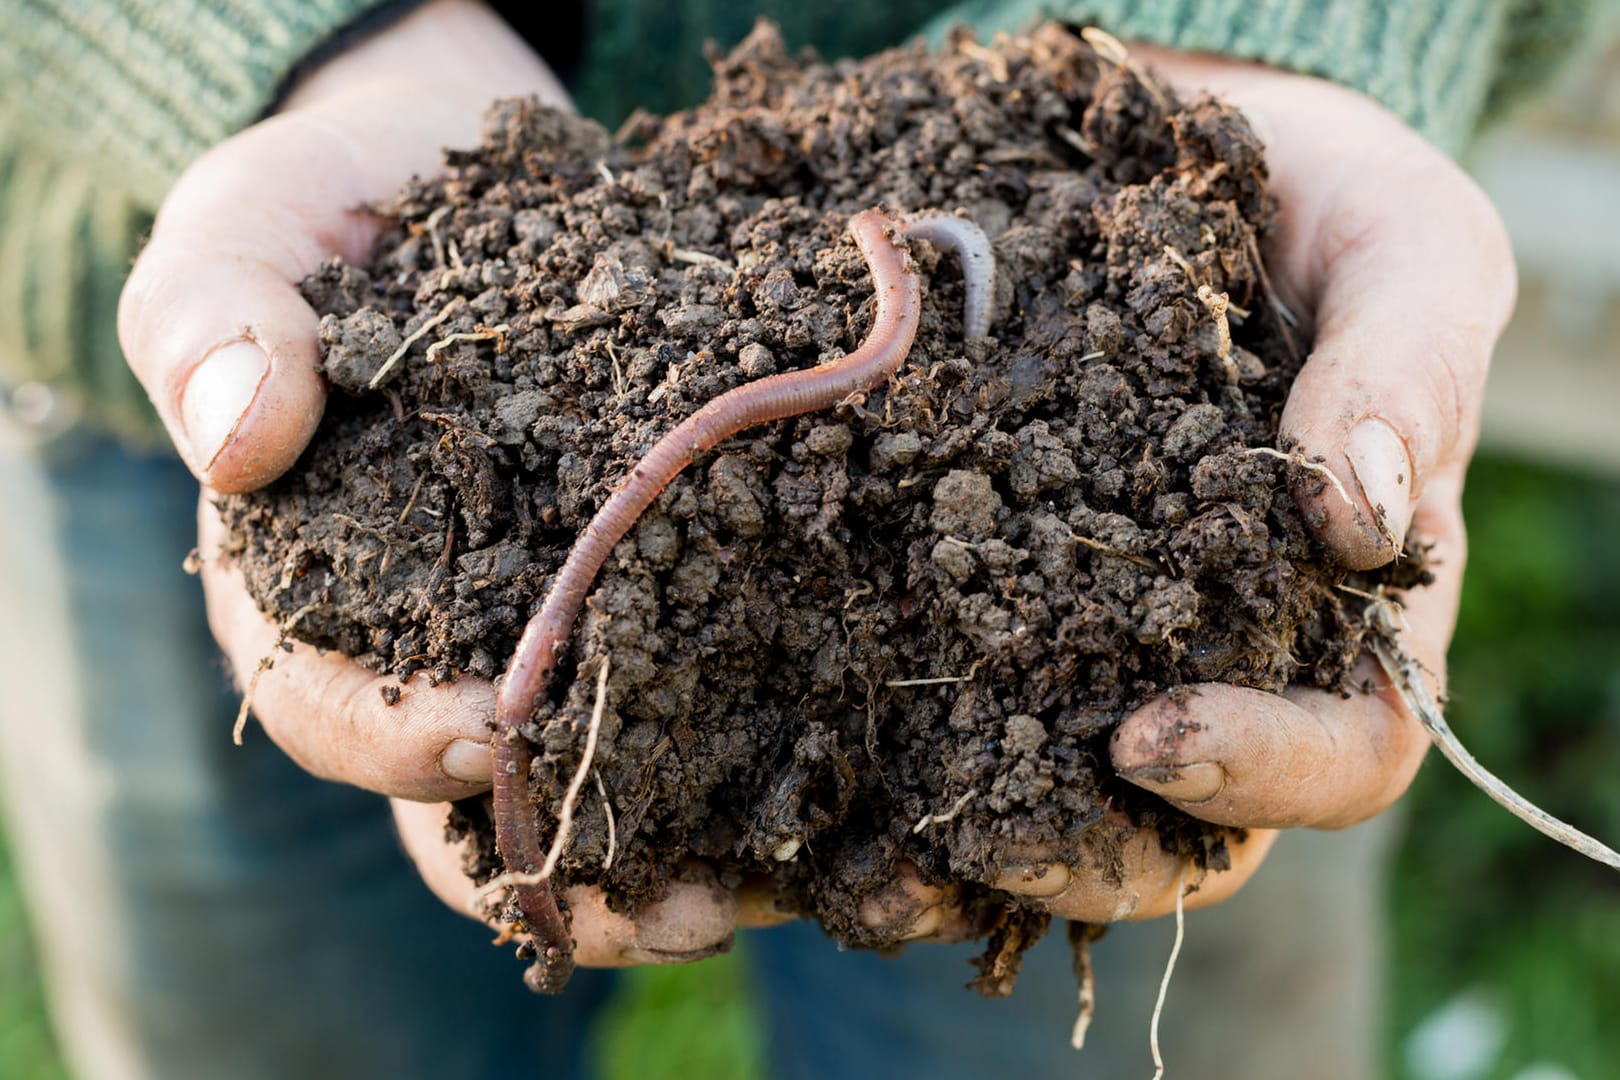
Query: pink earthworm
[{"x": 776, "y": 397}]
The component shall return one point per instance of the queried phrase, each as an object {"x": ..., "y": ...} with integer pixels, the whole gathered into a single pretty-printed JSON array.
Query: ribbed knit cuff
[
  {"x": 144, "y": 86},
  {"x": 1435, "y": 64}
]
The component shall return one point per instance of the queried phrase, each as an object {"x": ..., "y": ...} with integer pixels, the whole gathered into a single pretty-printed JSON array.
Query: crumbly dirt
[{"x": 946, "y": 592}]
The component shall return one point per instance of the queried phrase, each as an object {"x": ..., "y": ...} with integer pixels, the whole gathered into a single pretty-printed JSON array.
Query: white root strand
[
  {"x": 1169, "y": 970},
  {"x": 949, "y": 815},
  {"x": 287, "y": 627},
  {"x": 1405, "y": 672},
  {"x": 565, "y": 819},
  {"x": 1088, "y": 988}
]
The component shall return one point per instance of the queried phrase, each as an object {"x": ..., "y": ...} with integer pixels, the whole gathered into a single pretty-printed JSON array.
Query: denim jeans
[{"x": 211, "y": 911}]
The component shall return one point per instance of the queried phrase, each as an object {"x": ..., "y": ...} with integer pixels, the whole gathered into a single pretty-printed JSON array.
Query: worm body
[
  {"x": 971, "y": 247},
  {"x": 899, "y": 303}
]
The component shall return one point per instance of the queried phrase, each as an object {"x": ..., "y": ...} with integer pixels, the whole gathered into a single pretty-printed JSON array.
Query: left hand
[{"x": 1402, "y": 265}]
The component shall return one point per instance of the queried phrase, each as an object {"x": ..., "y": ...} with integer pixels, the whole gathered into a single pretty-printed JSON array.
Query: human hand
[
  {"x": 213, "y": 324},
  {"x": 1404, "y": 269}
]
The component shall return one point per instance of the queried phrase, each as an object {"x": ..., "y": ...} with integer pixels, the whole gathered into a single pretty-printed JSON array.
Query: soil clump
[{"x": 940, "y": 596}]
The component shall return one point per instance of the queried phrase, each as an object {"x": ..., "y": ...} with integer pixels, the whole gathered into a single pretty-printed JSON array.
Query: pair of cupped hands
[{"x": 1394, "y": 256}]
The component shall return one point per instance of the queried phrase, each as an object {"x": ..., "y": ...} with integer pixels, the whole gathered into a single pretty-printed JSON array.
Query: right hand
[{"x": 213, "y": 324}]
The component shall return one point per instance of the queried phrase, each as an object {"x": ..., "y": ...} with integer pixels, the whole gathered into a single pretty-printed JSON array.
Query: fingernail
[
  {"x": 638, "y": 954},
  {"x": 1033, "y": 879},
  {"x": 468, "y": 761},
  {"x": 217, "y": 396},
  {"x": 927, "y": 923},
  {"x": 1196, "y": 783},
  {"x": 1383, "y": 470}
]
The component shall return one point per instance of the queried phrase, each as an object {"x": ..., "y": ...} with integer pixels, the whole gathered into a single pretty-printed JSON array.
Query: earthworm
[{"x": 776, "y": 397}]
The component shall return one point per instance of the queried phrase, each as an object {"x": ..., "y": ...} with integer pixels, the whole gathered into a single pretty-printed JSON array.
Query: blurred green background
[{"x": 1507, "y": 948}]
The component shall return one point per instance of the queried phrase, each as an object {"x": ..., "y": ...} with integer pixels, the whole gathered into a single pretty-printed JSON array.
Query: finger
[
  {"x": 1243, "y": 757},
  {"x": 1407, "y": 271},
  {"x": 910, "y": 910},
  {"x": 211, "y": 320},
  {"x": 1123, "y": 873},
  {"x": 757, "y": 905},
  {"x": 330, "y": 715},
  {"x": 696, "y": 920},
  {"x": 1417, "y": 287}
]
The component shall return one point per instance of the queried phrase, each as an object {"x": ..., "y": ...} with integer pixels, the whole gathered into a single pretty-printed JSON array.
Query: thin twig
[
  {"x": 266, "y": 664},
  {"x": 565, "y": 820},
  {"x": 1169, "y": 969},
  {"x": 1403, "y": 669},
  {"x": 949, "y": 815},
  {"x": 416, "y": 335},
  {"x": 482, "y": 333},
  {"x": 410, "y": 504},
  {"x": 1299, "y": 459},
  {"x": 1105, "y": 549},
  {"x": 939, "y": 681}
]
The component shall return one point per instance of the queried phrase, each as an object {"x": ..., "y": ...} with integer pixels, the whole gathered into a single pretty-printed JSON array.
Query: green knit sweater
[{"x": 106, "y": 101}]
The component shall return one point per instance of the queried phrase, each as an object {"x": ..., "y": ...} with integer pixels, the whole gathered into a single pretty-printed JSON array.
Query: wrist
[{"x": 458, "y": 48}]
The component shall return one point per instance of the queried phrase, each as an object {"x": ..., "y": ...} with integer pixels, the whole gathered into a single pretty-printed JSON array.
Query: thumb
[
  {"x": 1416, "y": 282},
  {"x": 211, "y": 319}
]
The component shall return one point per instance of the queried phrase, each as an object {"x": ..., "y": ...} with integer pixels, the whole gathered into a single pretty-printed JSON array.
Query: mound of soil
[{"x": 942, "y": 595}]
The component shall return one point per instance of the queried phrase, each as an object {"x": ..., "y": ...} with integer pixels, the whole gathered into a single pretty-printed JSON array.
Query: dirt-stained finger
[
  {"x": 334, "y": 717},
  {"x": 697, "y": 919},
  {"x": 1307, "y": 757},
  {"x": 1122, "y": 874},
  {"x": 910, "y": 910}
]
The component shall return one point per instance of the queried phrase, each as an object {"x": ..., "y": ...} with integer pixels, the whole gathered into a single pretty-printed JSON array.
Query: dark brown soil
[{"x": 837, "y": 625}]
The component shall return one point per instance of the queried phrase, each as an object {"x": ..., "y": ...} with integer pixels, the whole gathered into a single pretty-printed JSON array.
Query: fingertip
[
  {"x": 696, "y": 920},
  {"x": 249, "y": 416},
  {"x": 225, "y": 348},
  {"x": 1247, "y": 758}
]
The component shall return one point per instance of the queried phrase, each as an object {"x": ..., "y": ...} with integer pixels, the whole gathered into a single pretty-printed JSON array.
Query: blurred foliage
[
  {"x": 1482, "y": 903},
  {"x": 683, "y": 1022},
  {"x": 26, "y": 1049}
]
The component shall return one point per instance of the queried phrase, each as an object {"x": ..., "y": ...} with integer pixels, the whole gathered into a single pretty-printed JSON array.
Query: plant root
[
  {"x": 416, "y": 335},
  {"x": 1406, "y": 673},
  {"x": 1081, "y": 935},
  {"x": 947, "y": 816},
  {"x": 268, "y": 662},
  {"x": 1169, "y": 970},
  {"x": 565, "y": 820},
  {"x": 1296, "y": 458}
]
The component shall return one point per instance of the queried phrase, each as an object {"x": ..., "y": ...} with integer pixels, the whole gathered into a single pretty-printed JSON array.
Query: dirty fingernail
[
  {"x": 1196, "y": 783},
  {"x": 1033, "y": 879},
  {"x": 468, "y": 761},
  {"x": 927, "y": 923},
  {"x": 218, "y": 395},
  {"x": 637, "y": 954},
  {"x": 1383, "y": 470}
]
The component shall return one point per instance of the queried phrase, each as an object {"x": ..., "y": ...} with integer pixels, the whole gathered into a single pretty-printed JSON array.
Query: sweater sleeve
[
  {"x": 141, "y": 87},
  {"x": 1443, "y": 67},
  {"x": 117, "y": 97}
]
